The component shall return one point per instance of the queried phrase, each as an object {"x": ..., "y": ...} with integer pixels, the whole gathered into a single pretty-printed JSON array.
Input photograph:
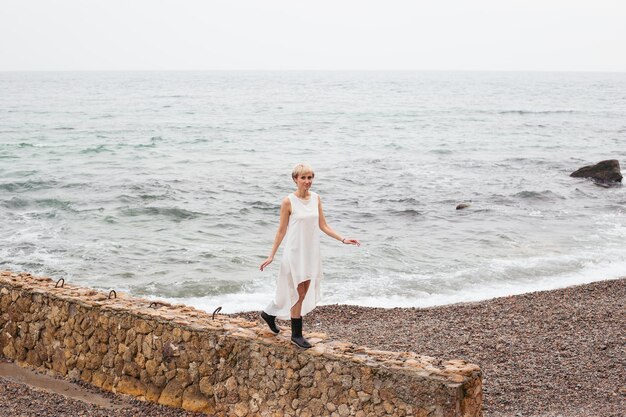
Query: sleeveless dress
[{"x": 301, "y": 259}]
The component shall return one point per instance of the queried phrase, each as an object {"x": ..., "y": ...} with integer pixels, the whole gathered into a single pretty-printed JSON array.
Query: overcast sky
[{"x": 559, "y": 35}]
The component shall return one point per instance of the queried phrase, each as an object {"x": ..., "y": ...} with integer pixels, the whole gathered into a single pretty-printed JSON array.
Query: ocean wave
[
  {"x": 394, "y": 146},
  {"x": 126, "y": 198},
  {"x": 173, "y": 213},
  {"x": 372, "y": 161},
  {"x": 525, "y": 160},
  {"x": 407, "y": 212},
  {"x": 188, "y": 288},
  {"x": 50, "y": 214},
  {"x": 91, "y": 210},
  {"x": 82, "y": 185},
  {"x": 151, "y": 190},
  {"x": 408, "y": 200},
  {"x": 16, "y": 203},
  {"x": 56, "y": 204},
  {"x": 394, "y": 252},
  {"x": 28, "y": 185},
  {"x": 96, "y": 150},
  {"x": 545, "y": 195},
  {"x": 524, "y": 112},
  {"x": 25, "y": 173},
  {"x": 226, "y": 225},
  {"x": 262, "y": 205}
]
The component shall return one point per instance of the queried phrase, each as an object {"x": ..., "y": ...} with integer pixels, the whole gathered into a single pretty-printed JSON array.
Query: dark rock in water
[
  {"x": 462, "y": 206},
  {"x": 604, "y": 171}
]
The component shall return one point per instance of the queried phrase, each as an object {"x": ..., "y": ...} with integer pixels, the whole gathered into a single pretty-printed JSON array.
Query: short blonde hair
[{"x": 301, "y": 168}]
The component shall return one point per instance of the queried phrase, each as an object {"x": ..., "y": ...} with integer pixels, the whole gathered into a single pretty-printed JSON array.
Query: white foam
[
  {"x": 485, "y": 291},
  {"x": 388, "y": 297},
  {"x": 230, "y": 303}
]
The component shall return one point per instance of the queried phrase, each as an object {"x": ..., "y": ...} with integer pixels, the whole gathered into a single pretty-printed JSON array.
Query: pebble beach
[{"x": 550, "y": 353}]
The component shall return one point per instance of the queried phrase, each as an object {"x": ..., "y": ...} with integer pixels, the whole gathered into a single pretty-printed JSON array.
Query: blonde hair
[{"x": 301, "y": 168}]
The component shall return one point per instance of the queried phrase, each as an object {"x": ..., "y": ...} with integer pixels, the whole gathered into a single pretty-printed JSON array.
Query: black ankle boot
[
  {"x": 271, "y": 322},
  {"x": 296, "y": 334}
]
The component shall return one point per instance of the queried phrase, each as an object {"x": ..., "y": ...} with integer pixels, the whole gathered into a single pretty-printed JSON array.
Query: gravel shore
[{"x": 552, "y": 353}]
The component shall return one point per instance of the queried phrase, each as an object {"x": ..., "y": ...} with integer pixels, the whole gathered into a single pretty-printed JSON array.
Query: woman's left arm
[{"x": 329, "y": 230}]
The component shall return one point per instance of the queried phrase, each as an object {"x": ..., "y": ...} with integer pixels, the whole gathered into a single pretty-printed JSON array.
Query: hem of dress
[{"x": 280, "y": 316}]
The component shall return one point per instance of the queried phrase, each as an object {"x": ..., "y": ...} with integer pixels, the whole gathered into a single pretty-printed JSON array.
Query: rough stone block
[
  {"x": 131, "y": 386},
  {"x": 194, "y": 400},
  {"x": 172, "y": 394}
]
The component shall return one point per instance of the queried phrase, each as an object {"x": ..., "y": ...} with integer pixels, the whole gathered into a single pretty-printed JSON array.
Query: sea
[{"x": 167, "y": 185}]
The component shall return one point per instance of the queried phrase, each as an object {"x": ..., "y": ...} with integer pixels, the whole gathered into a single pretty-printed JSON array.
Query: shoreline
[
  {"x": 548, "y": 353},
  {"x": 247, "y": 302}
]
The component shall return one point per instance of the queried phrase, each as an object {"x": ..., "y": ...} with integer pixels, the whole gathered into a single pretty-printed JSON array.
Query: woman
[{"x": 301, "y": 218}]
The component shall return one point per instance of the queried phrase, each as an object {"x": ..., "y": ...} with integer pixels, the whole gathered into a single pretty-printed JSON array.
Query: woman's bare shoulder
[{"x": 286, "y": 201}]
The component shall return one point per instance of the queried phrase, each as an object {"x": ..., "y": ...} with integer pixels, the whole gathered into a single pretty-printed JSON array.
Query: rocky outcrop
[
  {"x": 604, "y": 171},
  {"x": 182, "y": 357}
]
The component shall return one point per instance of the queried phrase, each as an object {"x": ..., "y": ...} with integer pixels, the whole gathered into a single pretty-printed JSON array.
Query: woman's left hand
[{"x": 351, "y": 242}]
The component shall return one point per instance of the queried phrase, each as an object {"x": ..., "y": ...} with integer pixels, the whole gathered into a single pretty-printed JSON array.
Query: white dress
[{"x": 301, "y": 259}]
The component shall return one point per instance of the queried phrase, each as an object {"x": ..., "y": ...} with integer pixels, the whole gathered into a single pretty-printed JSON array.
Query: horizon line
[{"x": 318, "y": 70}]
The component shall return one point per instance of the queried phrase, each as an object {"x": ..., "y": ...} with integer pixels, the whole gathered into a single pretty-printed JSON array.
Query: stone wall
[{"x": 182, "y": 357}]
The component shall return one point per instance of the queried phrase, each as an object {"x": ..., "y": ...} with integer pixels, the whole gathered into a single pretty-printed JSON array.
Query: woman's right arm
[{"x": 285, "y": 211}]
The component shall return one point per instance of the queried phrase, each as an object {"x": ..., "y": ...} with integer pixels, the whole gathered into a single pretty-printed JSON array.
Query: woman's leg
[
  {"x": 296, "y": 318},
  {"x": 296, "y": 310}
]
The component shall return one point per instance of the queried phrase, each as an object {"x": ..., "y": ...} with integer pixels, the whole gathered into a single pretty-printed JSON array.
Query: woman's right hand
[{"x": 267, "y": 262}]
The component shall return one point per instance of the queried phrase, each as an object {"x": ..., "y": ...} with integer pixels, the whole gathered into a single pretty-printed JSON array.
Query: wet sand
[{"x": 552, "y": 353}]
